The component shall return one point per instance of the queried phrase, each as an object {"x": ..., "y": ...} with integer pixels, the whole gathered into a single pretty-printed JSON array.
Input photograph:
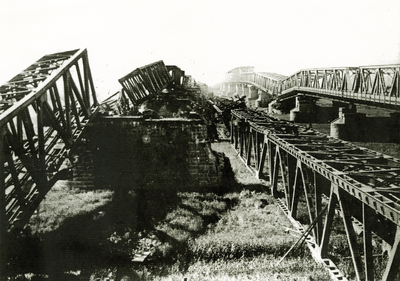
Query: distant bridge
[{"x": 372, "y": 85}]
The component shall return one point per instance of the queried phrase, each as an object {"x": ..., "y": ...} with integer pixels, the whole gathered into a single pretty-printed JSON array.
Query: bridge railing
[{"x": 44, "y": 110}]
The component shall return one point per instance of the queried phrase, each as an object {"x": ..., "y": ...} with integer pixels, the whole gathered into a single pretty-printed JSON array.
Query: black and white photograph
[{"x": 194, "y": 140}]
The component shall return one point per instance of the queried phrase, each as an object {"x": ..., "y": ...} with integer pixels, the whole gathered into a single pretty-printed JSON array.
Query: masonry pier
[
  {"x": 168, "y": 152},
  {"x": 353, "y": 126},
  {"x": 304, "y": 110}
]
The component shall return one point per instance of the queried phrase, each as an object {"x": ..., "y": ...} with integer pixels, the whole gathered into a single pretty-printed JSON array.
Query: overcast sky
[{"x": 205, "y": 38}]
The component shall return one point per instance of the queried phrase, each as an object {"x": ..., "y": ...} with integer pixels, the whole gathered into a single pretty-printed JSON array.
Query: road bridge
[
  {"x": 258, "y": 87},
  {"x": 377, "y": 86},
  {"x": 372, "y": 85},
  {"x": 322, "y": 176}
]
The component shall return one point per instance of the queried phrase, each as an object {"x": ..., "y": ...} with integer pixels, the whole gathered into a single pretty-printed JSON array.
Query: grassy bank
[
  {"x": 239, "y": 235},
  {"x": 235, "y": 235}
]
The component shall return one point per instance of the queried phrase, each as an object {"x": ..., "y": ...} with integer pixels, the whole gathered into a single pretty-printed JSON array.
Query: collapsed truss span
[
  {"x": 300, "y": 162},
  {"x": 43, "y": 112}
]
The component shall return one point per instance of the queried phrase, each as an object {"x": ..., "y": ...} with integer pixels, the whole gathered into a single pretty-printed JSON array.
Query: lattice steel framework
[
  {"x": 379, "y": 85},
  {"x": 44, "y": 110},
  {"x": 145, "y": 81},
  {"x": 270, "y": 83},
  {"x": 369, "y": 84},
  {"x": 309, "y": 170}
]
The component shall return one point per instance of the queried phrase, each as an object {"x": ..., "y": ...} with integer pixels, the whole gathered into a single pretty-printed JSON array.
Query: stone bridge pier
[
  {"x": 227, "y": 89},
  {"x": 251, "y": 96},
  {"x": 353, "y": 126},
  {"x": 240, "y": 90},
  {"x": 231, "y": 89},
  {"x": 350, "y": 125},
  {"x": 255, "y": 97},
  {"x": 304, "y": 111}
]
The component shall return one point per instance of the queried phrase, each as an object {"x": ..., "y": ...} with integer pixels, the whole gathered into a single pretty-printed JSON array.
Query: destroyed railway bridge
[{"x": 46, "y": 109}]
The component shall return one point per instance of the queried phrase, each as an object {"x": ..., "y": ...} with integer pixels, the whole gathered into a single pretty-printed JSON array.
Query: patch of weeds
[
  {"x": 254, "y": 227},
  {"x": 63, "y": 202},
  {"x": 262, "y": 267}
]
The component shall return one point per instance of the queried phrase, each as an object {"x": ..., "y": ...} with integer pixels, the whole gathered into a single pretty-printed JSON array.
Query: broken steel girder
[
  {"x": 310, "y": 171},
  {"x": 177, "y": 75},
  {"x": 45, "y": 109},
  {"x": 145, "y": 81}
]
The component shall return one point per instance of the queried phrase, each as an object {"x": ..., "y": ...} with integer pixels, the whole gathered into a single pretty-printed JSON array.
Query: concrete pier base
[
  {"x": 252, "y": 96},
  {"x": 304, "y": 110},
  {"x": 349, "y": 126},
  {"x": 263, "y": 99},
  {"x": 394, "y": 127}
]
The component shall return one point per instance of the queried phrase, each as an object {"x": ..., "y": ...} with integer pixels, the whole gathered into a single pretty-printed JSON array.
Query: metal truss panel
[
  {"x": 369, "y": 84},
  {"x": 145, "y": 81},
  {"x": 378, "y": 85},
  {"x": 362, "y": 184},
  {"x": 43, "y": 113}
]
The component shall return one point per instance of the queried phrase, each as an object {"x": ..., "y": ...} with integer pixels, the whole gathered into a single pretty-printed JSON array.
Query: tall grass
[
  {"x": 64, "y": 202},
  {"x": 239, "y": 235}
]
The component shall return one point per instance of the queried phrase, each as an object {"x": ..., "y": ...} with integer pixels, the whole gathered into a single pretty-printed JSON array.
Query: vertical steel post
[
  {"x": 3, "y": 218},
  {"x": 367, "y": 236},
  {"x": 392, "y": 267}
]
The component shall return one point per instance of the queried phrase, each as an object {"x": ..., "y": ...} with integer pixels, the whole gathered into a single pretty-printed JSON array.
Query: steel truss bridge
[
  {"x": 44, "y": 111},
  {"x": 143, "y": 82},
  {"x": 373, "y": 85},
  {"x": 310, "y": 171}
]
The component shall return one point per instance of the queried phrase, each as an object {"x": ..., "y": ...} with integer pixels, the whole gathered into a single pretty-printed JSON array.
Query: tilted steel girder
[
  {"x": 44, "y": 110},
  {"x": 145, "y": 81},
  {"x": 329, "y": 174}
]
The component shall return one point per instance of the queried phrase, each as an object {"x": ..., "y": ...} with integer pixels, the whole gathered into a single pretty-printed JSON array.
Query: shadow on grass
[{"x": 105, "y": 238}]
